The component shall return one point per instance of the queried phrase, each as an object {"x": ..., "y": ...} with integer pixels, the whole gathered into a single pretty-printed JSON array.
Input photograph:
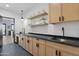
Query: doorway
[{"x": 8, "y": 30}]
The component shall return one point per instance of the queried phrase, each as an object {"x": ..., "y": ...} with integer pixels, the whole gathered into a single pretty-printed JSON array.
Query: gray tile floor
[{"x": 12, "y": 49}]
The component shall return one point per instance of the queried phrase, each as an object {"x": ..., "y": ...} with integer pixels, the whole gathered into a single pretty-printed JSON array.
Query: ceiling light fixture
[
  {"x": 22, "y": 15},
  {"x": 7, "y": 5}
]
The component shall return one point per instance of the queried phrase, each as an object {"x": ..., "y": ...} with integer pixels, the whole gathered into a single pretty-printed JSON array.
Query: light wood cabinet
[
  {"x": 70, "y": 11},
  {"x": 54, "y": 13},
  {"x": 57, "y": 49},
  {"x": 66, "y": 53},
  {"x": 63, "y": 12},
  {"x": 35, "y": 47},
  {"x": 50, "y": 49},
  {"x": 27, "y": 43},
  {"x": 30, "y": 45},
  {"x": 68, "y": 50},
  {"x": 20, "y": 41},
  {"x": 41, "y": 47},
  {"x": 38, "y": 47},
  {"x": 23, "y": 42}
]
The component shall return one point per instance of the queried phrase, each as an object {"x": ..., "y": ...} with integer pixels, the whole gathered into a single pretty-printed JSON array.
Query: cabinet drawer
[
  {"x": 41, "y": 41},
  {"x": 53, "y": 44}
]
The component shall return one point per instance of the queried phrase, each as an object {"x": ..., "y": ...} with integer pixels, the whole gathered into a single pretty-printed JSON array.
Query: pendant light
[{"x": 22, "y": 15}]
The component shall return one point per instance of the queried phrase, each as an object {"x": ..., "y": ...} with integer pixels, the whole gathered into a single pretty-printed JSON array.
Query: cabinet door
[
  {"x": 41, "y": 50},
  {"x": 67, "y": 53},
  {"x": 70, "y": 11},
  {"x": 35, "y": 48},
  {"x": 23, "y": 42},
  {"x": 30, "y": 45},
  {"x": 50, "y": 51},
  {"x": 20, "y": 41},
  {"x": 41, "y": 47},
  {"x": 54, "y": 13},
  {"x": 27, "y": 43}
]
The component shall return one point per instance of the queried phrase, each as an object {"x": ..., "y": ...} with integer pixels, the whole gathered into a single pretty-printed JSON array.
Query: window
[
  {"x": 12, "y": 26},
  {"x": 4, "y": 29}
]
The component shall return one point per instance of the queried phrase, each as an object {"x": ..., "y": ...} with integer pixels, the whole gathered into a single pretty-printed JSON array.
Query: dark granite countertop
[{"x": 72, "y": 41}]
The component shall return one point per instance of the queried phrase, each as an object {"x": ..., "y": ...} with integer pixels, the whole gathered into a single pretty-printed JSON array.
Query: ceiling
[{"x": 17, "y": 7}]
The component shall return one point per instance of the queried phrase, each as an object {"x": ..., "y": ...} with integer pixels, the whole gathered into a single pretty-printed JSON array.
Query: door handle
[
  {"x": 37, "y": 45},
  {"x": 27, "y": 41},
  {"x": 59, "y": 53},
  {"x": 22, "y": 38},
  {"x": 59, "y": 18},
  {"x": 56, "y": 53},
  {"x": 62, "y": 18}
]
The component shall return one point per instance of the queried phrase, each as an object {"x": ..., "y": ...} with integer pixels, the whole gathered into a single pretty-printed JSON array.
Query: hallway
[{"x": 11, "y": 49}]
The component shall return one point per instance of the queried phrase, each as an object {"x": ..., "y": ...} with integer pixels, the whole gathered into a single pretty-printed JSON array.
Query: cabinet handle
[
  {"x": 37, "y": 39},
  {"x": 62, "y": 18},
  {"x": 56, "y": 53},
  {"x": 59, "y": 53},
  {"x": 22, "y": 38},
  {"x": 59, "y": 18},
  {"x": 37, "y": 45},
  {"x": 27, "y": 41}
]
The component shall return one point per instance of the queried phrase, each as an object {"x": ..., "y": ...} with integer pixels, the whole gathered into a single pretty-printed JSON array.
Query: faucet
[{"x": 63, "y": 30}]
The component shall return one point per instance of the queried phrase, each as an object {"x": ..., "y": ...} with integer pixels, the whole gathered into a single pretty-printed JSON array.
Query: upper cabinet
[
  {"x": 54, "y": 12},
  {"x": 70, "y": 11},
  {"x": 63, "y": 12}
]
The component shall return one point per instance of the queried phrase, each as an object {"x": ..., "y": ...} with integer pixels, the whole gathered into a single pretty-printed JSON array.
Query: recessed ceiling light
[{"x": 7, "y": 5}]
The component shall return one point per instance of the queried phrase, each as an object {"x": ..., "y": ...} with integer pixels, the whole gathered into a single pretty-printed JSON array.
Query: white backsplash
[
  {"x": 40, "y": 29},
  {"x": 70, "y": 28}
]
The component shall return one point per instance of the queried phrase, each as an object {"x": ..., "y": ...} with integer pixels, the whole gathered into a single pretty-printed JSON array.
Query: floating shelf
[
  {"x": 39, "y": 25},
  {"x": 38, "y": 15}
]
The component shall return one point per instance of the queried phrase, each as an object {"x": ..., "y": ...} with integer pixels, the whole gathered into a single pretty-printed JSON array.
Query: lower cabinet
[
  {"x": 20, "y": 41},
  {"x": 27, "y": 43},
  {"x": 56, "y": 49},
  {"x": 66, "y": 53},
  {"x": 35, "y": 47},
  {"x": 69, "y": 51},
  {"x": 40, "y": 47},
  {"x": 30, "y": 45},
  {"x": 23, "y": 42},
  {"x": 50, "y": 51}
]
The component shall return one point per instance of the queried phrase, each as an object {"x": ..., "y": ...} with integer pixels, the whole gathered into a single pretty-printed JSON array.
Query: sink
[{"x": 62, "y": 40}]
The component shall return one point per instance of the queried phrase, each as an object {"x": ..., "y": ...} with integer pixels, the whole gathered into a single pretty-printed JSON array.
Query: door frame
[{"x": 14, "y": 26}]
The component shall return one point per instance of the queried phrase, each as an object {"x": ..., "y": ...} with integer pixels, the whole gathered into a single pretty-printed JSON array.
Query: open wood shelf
[{"x": 36, "y": 16}]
